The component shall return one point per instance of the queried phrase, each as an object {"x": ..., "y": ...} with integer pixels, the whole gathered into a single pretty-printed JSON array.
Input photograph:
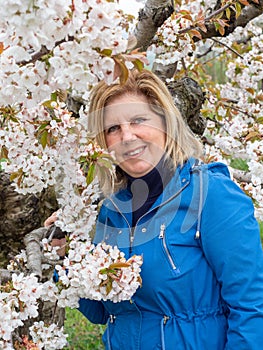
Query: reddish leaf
[
  {"x": 120, "y": 71},
  {"x": 244, "y": 2},
  {"x": 119, "y": 265},
  {"x": 202, "y": 26},
  {"x": 194, "y": 32}
]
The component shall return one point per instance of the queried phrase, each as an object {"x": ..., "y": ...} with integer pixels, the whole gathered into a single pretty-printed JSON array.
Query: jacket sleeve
[
  {"x": 231, "y": 243},
  {"x": 93, "y": 310}
]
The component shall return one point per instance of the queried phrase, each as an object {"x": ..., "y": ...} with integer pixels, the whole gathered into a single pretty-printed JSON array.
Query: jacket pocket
[{"x": 166, "y": 251}]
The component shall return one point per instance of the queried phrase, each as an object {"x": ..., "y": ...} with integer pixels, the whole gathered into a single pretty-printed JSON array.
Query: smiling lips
[{"x": 134, "y": 153}]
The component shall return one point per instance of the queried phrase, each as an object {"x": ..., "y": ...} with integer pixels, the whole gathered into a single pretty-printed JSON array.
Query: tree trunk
[{"x": 19, "y": 215}]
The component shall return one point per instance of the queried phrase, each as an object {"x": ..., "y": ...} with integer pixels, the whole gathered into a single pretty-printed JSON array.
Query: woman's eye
[
  {"x": 138, "y": 120},
  {"x": 112, "y": 129}
]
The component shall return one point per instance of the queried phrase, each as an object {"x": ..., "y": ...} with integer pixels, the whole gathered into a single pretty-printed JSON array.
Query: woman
[{"x": 202, "y": 266}]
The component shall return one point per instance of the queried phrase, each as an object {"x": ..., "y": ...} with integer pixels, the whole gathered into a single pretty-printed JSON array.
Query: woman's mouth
[{"x": 135, "y": 152}]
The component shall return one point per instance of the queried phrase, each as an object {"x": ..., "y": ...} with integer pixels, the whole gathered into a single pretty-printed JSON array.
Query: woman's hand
[
  {"x": 56, "y": 242},
  {"x": 50, "y": 220}
]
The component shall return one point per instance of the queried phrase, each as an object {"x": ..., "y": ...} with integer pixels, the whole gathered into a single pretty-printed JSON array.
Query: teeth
[{"x": 133, "y": 153}]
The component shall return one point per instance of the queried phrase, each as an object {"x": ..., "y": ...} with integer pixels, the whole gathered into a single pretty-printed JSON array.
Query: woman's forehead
[
  {"x": 126, "y": 107},
  {"x": 128, "y": 97}
]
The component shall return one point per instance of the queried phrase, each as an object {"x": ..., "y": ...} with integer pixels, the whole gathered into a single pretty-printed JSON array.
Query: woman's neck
[{"x": 146, "y": 189}]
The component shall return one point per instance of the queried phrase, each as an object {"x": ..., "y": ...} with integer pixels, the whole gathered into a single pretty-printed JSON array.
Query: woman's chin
[{"x": 137, "y": 169}]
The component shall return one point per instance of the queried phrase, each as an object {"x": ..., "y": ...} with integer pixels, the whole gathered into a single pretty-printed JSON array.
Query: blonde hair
[{"x": 181, "y": 144}]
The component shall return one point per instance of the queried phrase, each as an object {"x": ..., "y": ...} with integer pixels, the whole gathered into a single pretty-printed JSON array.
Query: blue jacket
[{"x": 202, "y": 267}]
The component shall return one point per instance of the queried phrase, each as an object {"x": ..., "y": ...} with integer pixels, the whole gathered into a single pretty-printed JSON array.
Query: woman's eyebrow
[{"x": 125, "y": 121}]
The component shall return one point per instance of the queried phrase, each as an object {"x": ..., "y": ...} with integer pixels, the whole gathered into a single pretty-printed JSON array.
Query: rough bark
[
  {"x": 5, "y": 276},
  {"x": 33, "y": 251},
  {"x": 150, "y": 18},
  {"x": 189, "y": 97},
  {"x": 19, "y": 215}
]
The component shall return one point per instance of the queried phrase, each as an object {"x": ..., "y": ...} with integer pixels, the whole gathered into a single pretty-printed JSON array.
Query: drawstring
[
  {"x": 200, "y": 207},
  {"x": 108, "y": 338},
  {"x": 201, "y": 198},
  {"x": 111, "y": 320},
  {"x": 163, "y": 323}
]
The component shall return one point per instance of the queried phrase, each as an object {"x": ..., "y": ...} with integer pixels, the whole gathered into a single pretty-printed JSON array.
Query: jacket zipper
[
  {"x": 112, "y": 318},
  {"x": 132, "y": 229},
  {"x": 131, "y": 239},
  {"x": 162, "y": 237}
]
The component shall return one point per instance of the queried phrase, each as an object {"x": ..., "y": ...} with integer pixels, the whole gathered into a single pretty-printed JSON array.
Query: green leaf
[
  {"x": 228, "y": 13},
  {"x": 108, "y": 287},
  {"x": 138, "y": 64},
  {"x": 238, "y": 9},
  {"x": 44, "y": 138},
  {"x": 104, "y": 162},
  {"x": 43, "y": 126},
  {"x": 90, "y": 175},
  {"x": 54, "y": 96},
  {"x": 106, "y": 52},
  {"x": 48, "y": 103},
  {"x": 238, "y": 163}
]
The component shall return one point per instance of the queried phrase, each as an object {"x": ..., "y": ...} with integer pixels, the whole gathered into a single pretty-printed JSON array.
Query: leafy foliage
[{"x": 83, "y": 335}]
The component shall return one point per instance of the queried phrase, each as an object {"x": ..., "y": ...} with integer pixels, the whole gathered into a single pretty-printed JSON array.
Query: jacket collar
[{"x": 122, "y": 200}]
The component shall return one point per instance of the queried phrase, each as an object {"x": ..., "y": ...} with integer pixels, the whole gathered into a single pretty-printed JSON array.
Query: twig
[
  {"x": 236, "y": 109},
  {"x": 184, "y": 67},
  {"x": 228, "y": 47},
  {"x": 213, "y": 14},
  {"x": 44, "y": 51},
  {"x": 54, "y": 313}
]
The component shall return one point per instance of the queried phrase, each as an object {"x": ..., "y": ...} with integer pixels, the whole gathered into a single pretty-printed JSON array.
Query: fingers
[
  {"x": 59, "y": 243},
  {"x": 50, "y": 220}
]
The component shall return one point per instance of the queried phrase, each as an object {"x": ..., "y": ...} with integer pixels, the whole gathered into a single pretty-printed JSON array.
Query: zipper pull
[
  {"x": 165, "y": 319},
  {"x": 162, "y": 229},
  {"x": 112, "y": 318},
  {"x": 197, "y": 234}
]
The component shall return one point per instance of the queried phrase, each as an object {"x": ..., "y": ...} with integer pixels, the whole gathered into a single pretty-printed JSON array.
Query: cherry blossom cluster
[
  {"x": 31, "y": 160},
  {"x": 97, "y": 273},
  {"x": 240, "y": 133},
  {"x": 174, "y": 39},
  {"x": 48, "y": 337},
  {"x": 170, "y": 46},
  {"x": 18, "y": 302},
  {"x": 68, "y": 38}
]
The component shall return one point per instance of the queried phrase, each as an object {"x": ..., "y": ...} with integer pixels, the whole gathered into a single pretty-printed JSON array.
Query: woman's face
[{"x": 135, "y": 134}]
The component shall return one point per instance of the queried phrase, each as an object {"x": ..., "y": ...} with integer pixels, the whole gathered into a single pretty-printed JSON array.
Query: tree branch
[
  {"x": 44, "y": 51},
  {"x": 5, "y": 276},
  {"x": 33, "y": 250},
  {"x": 241, "y": 175},
  {"x": 150, "y": 18},
  {"x": 248, "y": 13}
]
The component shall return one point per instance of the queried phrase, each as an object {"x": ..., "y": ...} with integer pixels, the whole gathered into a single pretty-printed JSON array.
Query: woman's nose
[{"x": 127, "y": 133}]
